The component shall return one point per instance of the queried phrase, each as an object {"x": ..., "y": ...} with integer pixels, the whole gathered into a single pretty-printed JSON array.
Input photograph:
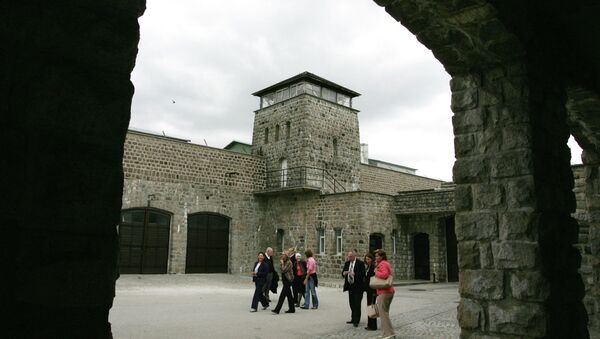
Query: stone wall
[
  {"x": 586, "y": 191},
  {"x": 66, "y": 99},
  {"x": 425, "y": 202},
  {"x": 382, "y": 180},
  {"x": 182, "y": 178}
]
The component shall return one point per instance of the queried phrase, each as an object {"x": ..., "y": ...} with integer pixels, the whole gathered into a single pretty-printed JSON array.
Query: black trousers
[
  {"x": 286, "y": 292},
  {"x": 371, "y": 296},
  {"x": 298, "y": 289},
  {"x": 258, "y": 294},
  {"x": 355, "y": 301}
]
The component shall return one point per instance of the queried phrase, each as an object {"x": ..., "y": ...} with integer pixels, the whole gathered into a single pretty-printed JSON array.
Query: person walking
[
  {"x": 287, "y": 277},
  {"x": 271, "y": 266},
  {"x": 354, "y": 277},
  {"x": 259, "y": 276},
  {"x": 371, "y": 293},
  {"x": 384, "y": 295},
  {"x": 299, "y": 275},
  {"x": 310, "y": 281}
]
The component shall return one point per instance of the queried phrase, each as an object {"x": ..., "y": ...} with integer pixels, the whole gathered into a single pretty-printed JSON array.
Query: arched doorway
[
  {"x": 375, "y": 242},
  {"x": 207, "y": 243},
  {"x": 421, "y": 255},
  {"x": 144, "y": 241}
]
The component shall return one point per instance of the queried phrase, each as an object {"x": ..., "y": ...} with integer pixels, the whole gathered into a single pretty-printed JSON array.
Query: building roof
[
  {"x": 394, "y": 167},
  {"x": 238, "y": 146},
  {"x": 310, "y": 77}
]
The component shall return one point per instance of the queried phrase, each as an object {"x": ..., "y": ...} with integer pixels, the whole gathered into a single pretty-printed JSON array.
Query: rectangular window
[
  {"x": 343, "y": 100},
  {"x": 278, "y": 95},
  {"x": 268, "y": 100},
  {"x": 328, "y": 94},
  {"x": 394, "y": 237},
  {"x": 285, "y": 94},
  {"x": 312, "y": 89},
  {"x": 338, "y": 241},
  {"x": 280, "y": 242},
  {"x": 321, "y": 241}
]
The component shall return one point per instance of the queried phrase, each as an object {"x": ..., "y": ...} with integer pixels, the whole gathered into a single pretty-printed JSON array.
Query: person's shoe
[
  {"x": 315, "y": 307},
  {"x": 290, "y": 311},
  {"x": 265, "y": 307},
  {"x": 253, "y": 310},
  {"x": 304, "y": 307},
  {"x": 275, "y": 312},
  {"x": 349, "y": 322},
  {"x": 355, "y": 325},
  {"x": 370, "y": 329}
]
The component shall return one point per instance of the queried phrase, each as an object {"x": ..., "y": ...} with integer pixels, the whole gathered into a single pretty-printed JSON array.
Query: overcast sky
[{"x": 209, "y": 56}]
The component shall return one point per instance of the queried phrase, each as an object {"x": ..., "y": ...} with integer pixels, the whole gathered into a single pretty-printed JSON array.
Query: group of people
[
  {"x": 357, "y": 277},
  {"x": 299, "y": 279}
]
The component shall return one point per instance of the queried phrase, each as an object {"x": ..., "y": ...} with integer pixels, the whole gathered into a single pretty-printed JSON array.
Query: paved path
[{"x": 217, "y": 306}]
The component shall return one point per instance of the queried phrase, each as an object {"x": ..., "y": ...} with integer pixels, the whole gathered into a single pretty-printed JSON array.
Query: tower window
[
  {"x": 267, "y": 135},
  {"x": 276, "y": 132},
  {"x": 335, "y": 147},
  {"x": 328, "y": 94},
  {"x": 288, "y": 126}
]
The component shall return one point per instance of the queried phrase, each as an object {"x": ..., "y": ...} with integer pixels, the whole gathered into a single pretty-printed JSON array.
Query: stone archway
[
  {"x": 514, "y": 185},
  {"x": 67, "y": 104}
]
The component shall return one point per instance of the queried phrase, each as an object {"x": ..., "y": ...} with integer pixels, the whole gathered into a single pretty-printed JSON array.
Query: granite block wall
[
  {"x": 182, "y": 178},
  {"x": 382, "y": 180}
]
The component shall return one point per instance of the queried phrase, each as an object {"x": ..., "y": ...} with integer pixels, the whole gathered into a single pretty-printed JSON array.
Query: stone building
[
  {"x": 525, "y": 75},
  {"x": 189, "y": 208}
]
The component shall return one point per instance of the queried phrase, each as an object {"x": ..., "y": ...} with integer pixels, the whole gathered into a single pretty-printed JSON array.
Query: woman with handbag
[
  {"x": 385, "y": 294},
  {"x": 369, "y": 272}
]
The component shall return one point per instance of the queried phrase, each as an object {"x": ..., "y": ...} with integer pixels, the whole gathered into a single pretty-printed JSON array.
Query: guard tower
[{"x": 308, "y": 133}]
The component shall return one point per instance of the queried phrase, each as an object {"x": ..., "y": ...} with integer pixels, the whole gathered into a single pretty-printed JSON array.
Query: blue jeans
[{"x": 310, "y": 290}]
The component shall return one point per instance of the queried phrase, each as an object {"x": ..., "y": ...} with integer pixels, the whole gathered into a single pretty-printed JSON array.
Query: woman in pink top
[
  {"x": 384, "y": 295},
  {"x": 309, "y": 281}
]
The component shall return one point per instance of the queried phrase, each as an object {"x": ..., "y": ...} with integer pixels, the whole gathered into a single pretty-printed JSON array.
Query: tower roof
[{"x": 312, "y": 78}]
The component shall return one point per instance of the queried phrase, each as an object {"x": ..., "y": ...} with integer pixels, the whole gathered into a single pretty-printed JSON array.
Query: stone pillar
[
  {"x": 66, "y": 97},
  {"x": 518, "y": 266},
  {"x": 590, "y": 244}
]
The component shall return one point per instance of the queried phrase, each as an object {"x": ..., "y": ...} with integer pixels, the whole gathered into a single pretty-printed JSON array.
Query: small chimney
[{"x": 364, "y": 153}]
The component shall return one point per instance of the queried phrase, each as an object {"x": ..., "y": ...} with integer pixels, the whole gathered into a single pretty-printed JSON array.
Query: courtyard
[{"x": 217, "y": 306}]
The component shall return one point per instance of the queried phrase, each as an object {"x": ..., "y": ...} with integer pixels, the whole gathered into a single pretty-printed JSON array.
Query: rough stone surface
[
  {"x": 66, "y": 98},
  {"x": 481, "y": 284},
  {"x": 517, "y": 318},
  {"x": 470, "y": 314}
]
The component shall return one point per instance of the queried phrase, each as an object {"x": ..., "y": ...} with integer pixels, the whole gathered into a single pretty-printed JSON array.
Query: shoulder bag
[
  {"x": 378, "y": 283},
  {"x": 372, "y": 311}
]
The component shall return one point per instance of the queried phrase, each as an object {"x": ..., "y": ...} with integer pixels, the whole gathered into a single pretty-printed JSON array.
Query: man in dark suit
[
  {"x": 354, "y": 278},
  {"x": 269, "y": 281}
]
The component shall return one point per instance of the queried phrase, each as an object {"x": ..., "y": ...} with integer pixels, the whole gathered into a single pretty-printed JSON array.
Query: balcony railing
[{"x": 303, "y": 177}]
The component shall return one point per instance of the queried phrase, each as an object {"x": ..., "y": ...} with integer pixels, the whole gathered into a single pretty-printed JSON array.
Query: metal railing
[{"x": 303, "y": 177}]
